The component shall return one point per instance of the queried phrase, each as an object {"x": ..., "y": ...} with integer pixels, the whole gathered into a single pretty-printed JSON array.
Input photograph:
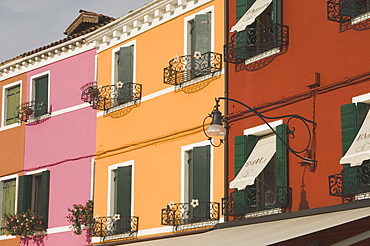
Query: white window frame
[
  {"x": 32, "y": 85},
  {"x": 114, "y": 67},
  {"x": 192, "y": 17},
  {"x": 364, "y": 98},
  {"x": 110, "y": 198},
  {"x": 34, "y": 174},
  {"x": 184, "y": 159},
  {"x": 32, "y": 96},
  {"x": 3, "y": 118},
  {"x": 262, "y": 130}
]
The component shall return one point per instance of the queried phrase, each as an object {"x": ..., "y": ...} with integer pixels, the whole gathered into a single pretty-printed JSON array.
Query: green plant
[
  {"x": 23, "y": 224},
  {"x": 80, "y": 215}
]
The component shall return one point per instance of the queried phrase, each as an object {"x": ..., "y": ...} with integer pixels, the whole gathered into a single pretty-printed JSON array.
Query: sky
[{"x": 26, "y": 25}]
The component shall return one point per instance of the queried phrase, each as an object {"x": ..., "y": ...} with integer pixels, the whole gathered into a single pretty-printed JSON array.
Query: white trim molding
[{"x": 140, "y": 20}]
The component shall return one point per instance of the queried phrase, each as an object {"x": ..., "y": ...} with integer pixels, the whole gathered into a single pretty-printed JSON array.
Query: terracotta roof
[
  {"x": 85, "y": 20},
  {"x": 76, "y": 29}
]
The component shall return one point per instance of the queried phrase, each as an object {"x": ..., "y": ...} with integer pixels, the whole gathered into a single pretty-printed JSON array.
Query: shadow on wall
[{"x": 303, "y": 203}]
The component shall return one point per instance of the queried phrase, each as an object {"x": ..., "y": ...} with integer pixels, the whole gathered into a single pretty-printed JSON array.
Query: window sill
[
  {"x": 197, "y": 80},
  {"x": 263, "y": 213},
  {"x": 360, "y": 18},
  {"x": 35, "y": 119},
  {"x": 262, "y": 55},
  {"x": 362, "y": 196},
  {"x": 121, "y": 106},
  {"x": 5, "y": 237},
  {"x": 9, "y": 126}
]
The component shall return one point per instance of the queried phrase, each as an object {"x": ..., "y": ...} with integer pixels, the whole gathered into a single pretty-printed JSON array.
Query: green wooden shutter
[
  {"x": 41, "y": 95},
  {"x": 243, "y": 49},
  {"x": 126, "y": 64},
  {"x": 42, "y": 89},
  {"x": 123, "y": 197},
  {"x": 201, "y": 34},
  {"x": 44, "y": 196},
  {"x": 9, "y": 192},
  {"x": 281, "y": 167},
  {"x": 277, "y": 13},
  {"x": 123, "y": 189},
  {"x": 199, "y": 183},
  {"x": 25, "y": 193},
  {"x": 201, "y": 174},
  {"x": 352, "y": 117},
  {"x": 12, "y": 103},
  {"x": 352, "y": 8},
  {"x": 281, "y": 157},
  {"x": 241, "y": 8},
  {"x": 243, "y": 147}
]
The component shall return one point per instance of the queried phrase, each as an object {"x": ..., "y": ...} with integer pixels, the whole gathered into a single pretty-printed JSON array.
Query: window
[
  {"x": 121, "y": 193},
  {"x": 12, "y": 100},
  {"x": 199, "y": 44},
  {"x": 197, "y": 181},
  {"x": 40, "y": 94},
  {"x": 124, "y": 59},
  {"x": 355, "y": 179},
  {"x": 34, "y": 194},
  {"x": 354, "y": 8},
  {"x": 8, "y": 195},
  {"x": 263, "y": 37},
  {"x": 270, "y": 190}
]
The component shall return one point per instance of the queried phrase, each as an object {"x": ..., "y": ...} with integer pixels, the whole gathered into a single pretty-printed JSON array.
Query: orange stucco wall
[
  {"x": 12, "y": 144},
  {"x": 153, "y": 133}
]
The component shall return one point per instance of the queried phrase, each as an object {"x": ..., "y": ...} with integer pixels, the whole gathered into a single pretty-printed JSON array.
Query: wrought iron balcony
[
  {"x": 351, "y": 181},
  {"x": 115, "y": 227},
  {"x": 182, "y": 69},
  {"x": 33, "y": 111},
  {"x": 250, "y": 200},
  {"x": 342, "y": 11},
  {"x": 111, "y": 97},
  {"x": 256, "y": 43},
  {"x": 190, "y": 215}
]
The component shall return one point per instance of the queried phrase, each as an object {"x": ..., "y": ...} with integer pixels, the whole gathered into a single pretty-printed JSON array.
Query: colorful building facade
[
  {"x": 47, "y": 159},
  {"x": 158, "y": 69},
  {"x": 306, "y": 61}
]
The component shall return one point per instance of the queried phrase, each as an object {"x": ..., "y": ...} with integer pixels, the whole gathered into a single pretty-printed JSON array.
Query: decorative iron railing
[
  {"x": 343, "y": 10},
  {"x": 351, "y": 181},
  {"x": 115, "y": 227},
  {"x": 252, "y": 42},
  {"x": 250, "y": 200},
  {"x": 110, "y": 97},
  {"x": 33, "y": 111},
  {"x": 186, "y": 68},
  {"x": 190, "y": 215}
]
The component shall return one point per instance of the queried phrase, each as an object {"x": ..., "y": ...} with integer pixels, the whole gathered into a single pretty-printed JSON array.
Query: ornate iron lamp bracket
[{"x": 290, "y": 130}]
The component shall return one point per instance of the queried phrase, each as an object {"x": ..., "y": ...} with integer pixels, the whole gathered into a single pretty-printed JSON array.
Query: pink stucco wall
[
  {"x": 59, "y": 239},
  {"x": 66, "y": 78},
  {"x": 63, "y": 143}
]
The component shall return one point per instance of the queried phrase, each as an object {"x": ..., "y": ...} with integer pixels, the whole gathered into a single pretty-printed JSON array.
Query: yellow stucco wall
[{"x": 153, "y": 133}]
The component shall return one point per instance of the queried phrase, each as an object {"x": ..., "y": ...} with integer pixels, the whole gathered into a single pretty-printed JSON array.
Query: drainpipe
[{"x": 226, "y": 94}]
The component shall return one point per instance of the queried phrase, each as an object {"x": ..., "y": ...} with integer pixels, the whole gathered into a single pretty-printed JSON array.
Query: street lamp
[{"x": 217, "y": 127}]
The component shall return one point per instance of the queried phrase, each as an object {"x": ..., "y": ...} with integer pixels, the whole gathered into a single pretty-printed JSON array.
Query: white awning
[
  {"x": 256, "y": 162},
  {"x": 250, "y": 16},
  {"x": 266, "y": 233},
  {"x": 360, "y": 147}
]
